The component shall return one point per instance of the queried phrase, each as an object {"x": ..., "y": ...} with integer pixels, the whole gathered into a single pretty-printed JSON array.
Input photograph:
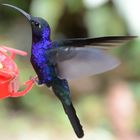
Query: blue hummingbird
[{"x": 57, "y": 61}]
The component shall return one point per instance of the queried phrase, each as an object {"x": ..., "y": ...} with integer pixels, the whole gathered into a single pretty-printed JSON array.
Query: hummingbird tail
[
  {"x": 61, "y": 90},
  {"x": 71, "y": 113}
]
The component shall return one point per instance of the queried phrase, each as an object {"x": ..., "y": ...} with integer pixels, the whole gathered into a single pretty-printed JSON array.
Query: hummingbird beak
[{"x": 20, "y": 10}]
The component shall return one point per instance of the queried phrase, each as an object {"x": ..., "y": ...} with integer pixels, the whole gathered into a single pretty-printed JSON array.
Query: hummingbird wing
[
  {"x": 100, "y": 42},
  {"x": 80, "y": 57},
  {"x": 76, "y": 62}
]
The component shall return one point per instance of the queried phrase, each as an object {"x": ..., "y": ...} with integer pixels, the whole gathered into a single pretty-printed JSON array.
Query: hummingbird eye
[{"x": 36, "y": 24}]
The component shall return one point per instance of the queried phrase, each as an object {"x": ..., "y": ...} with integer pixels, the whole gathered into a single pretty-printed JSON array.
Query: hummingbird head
[{"x": 40, "y": 27}]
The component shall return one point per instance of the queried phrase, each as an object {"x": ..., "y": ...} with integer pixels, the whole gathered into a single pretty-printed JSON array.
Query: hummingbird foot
[{"x": 36, "y": 81}]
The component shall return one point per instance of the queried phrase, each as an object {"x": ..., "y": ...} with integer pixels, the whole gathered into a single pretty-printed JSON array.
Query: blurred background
[{"x": 107, "y": 104}]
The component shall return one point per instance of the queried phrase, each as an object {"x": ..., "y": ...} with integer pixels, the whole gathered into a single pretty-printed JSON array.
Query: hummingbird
[{"x": 55, "y": 62}]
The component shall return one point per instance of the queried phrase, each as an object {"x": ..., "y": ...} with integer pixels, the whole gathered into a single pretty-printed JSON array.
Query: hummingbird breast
[{"x": 39, "y": 60}]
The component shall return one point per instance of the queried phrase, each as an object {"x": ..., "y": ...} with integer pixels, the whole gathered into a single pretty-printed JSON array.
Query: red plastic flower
[{"x": 9, "y": 74}]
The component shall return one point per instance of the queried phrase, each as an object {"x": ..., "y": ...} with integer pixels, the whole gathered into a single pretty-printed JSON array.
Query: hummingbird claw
[{"x": 36, "y": 80}]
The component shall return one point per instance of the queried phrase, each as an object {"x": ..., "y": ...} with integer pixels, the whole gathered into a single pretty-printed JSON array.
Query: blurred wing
[
  {"x": 101, "y": 42},
  {"x": 74, "y": 62}
]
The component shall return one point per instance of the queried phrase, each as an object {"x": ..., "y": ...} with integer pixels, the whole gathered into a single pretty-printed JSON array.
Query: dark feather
[
  {"x": 100, "y": 42},
  {"x": 70, "y": 111},
  {"x": 76, "y": 62},
  {"x": 61, "y": 90}
]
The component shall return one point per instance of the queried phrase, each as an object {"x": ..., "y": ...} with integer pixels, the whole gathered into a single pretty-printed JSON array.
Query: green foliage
[{"x": 104, "y": 21}]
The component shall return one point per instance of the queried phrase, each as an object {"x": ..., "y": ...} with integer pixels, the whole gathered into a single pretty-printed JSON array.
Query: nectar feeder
[{"x": 9, "y": 74}]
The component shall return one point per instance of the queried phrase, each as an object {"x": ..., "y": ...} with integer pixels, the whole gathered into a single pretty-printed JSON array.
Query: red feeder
[{"x": 9, "y": 74}]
